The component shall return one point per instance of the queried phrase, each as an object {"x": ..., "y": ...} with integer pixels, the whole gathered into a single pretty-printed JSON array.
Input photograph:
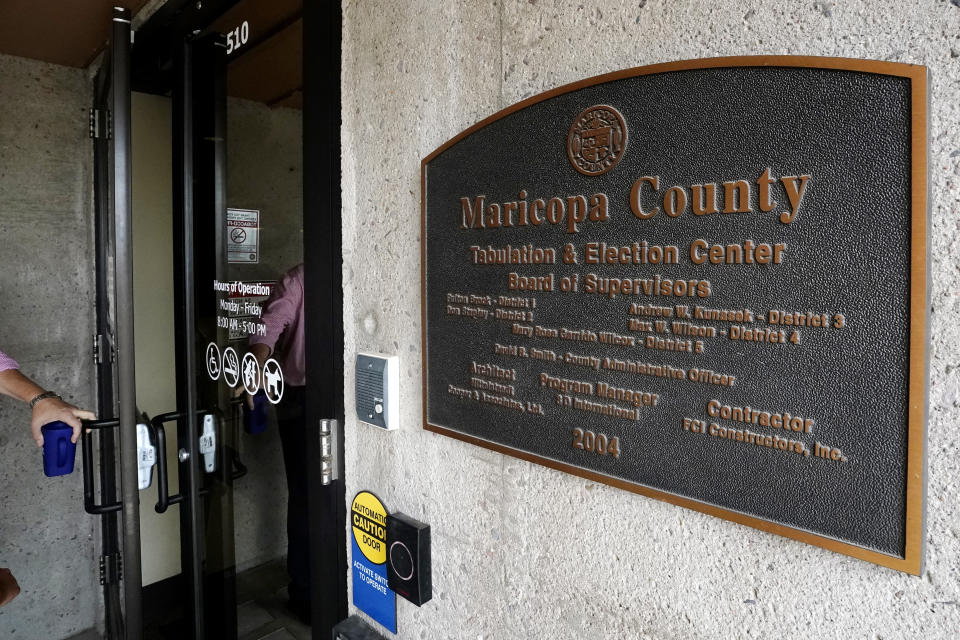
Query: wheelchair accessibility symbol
[{"x": 213, "y": 361}]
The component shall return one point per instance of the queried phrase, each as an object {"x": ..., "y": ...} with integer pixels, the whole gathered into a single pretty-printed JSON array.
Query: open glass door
[
  {"x": 195, "y": 416},
  {"x": 269, "y": 311},
  {"x": 241, "y": 349},
  {"x": 205, "y": 423},
  {"x": 189, "y": 564},
  {"x": 113, "y": 493},
  {"x": 187, "y": 520},
  {"x": 234, "y": 292},
  {"x": 103, "y": 342}
]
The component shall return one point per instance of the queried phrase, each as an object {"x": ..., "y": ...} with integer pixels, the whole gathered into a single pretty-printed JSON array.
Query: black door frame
[
  {"x": 104, "y": 340},
  {"x": 323, "y": 273},
  {"x": 191, "y": 520},
  {"x": 121, "y": 201}
]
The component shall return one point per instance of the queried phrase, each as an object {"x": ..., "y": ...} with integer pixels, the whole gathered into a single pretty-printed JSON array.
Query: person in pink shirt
[
  {"x": 284, "y": 341},
  {"x": 47, "y": 407}
]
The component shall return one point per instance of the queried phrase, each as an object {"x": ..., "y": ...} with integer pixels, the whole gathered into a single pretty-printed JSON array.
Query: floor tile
[
  {"x": 251, "y": 616},
  {"x": 279, "y": 634}
]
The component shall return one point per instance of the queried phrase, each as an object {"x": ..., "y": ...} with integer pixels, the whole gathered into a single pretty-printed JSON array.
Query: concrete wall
[
  {"x": 46, "y": 320},
  {"x": 520, "y": 551}
]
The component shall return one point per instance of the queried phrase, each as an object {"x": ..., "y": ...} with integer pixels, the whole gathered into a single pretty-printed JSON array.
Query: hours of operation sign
[{"x": 702, "y": 281}]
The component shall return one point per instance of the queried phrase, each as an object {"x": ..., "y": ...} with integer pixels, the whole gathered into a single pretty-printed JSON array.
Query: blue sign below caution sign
[{"x": 368, "y": 519}]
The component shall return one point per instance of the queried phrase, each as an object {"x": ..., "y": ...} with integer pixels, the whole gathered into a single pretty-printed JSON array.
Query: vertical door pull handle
[
  {"x": 86, "y": 446},
  {"x": 164, "y": 499}
]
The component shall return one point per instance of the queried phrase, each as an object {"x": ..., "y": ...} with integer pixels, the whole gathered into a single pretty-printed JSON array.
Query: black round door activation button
[{"x": 401, "y": 560}]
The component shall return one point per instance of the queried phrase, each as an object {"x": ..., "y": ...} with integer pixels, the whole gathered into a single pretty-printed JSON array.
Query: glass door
[
  {"x": 179, "y": 192},
  {"x": 205, "y": 425},
  {"x": 241, "y": 382},
  {"x": 113, "y": 493},
  {"x": 224, "y": 391},
  {"x": 195, "y": 417}
]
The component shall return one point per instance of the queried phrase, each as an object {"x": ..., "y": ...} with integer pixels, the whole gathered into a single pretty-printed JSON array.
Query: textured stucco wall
[
  {"x": 520, "y": 551},
  {"x": 46, "y": 320}
]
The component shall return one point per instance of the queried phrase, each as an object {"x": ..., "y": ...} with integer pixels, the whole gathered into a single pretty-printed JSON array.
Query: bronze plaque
[{"x": 701, "y": 281}]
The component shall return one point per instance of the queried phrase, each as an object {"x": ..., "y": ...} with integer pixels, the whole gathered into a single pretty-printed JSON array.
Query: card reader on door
[{"x": 377, "y": 390}]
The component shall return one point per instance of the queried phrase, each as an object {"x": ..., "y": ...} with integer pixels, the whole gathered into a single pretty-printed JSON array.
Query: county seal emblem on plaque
[{"x": 597, "y": 140}]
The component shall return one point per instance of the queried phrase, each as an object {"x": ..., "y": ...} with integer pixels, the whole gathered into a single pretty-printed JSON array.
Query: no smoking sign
[{"x": 243, "y": 229}]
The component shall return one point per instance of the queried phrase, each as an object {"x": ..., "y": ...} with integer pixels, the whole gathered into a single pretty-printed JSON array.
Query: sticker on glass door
[
  {"x": 231, "y": 367},
  {"x": 273, "y": 380},
  {"x": 243, "y": 236},
  {"x": 251, "y": 373},
  {"x": 213, "y": 361}
]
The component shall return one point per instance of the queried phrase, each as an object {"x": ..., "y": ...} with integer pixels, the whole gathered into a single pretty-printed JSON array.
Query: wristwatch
[{"x": 44, "y": 396}]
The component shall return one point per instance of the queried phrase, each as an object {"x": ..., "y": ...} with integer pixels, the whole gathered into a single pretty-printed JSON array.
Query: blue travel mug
[
  {"x": 58, "y": 452},
  {"x": 255, "y": 420}
]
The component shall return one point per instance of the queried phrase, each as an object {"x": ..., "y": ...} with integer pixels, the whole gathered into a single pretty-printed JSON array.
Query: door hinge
[
  {"x": 329, "y": 446},
  {"x": 100, "y": 123},
  {"x": 111, "y": 568},
  {"x": 102, "y": 349},
  {"x": 98, "y": 344}
]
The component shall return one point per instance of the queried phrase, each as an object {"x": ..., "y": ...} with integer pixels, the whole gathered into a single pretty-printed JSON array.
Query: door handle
[
  {"x": 146, "y": 459},
  {"x": 86, "y": 446},
  {"x": 164, "y": 499},
  {"x": 239, "y": 469}
]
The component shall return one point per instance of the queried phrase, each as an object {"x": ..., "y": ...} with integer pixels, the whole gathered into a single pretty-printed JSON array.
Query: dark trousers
[{"x": 291, "y": 421}]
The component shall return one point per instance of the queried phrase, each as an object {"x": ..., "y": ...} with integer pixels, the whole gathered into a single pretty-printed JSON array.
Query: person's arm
[
  {"x": 9, "y": 589},
  {"x": 261, "y": 352},
  {"x": 279, "y": 312},
  {"x": 16, "y": 385}
]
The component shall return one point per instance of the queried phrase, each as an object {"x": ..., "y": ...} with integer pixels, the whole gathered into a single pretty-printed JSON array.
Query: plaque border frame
[{"x": 916, "y": 469}]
